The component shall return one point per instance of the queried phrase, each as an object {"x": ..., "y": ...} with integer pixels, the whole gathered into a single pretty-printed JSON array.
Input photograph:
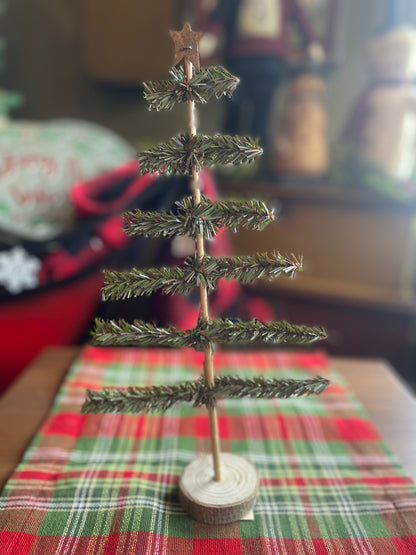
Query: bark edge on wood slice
[{"x": 219, "y": 502}]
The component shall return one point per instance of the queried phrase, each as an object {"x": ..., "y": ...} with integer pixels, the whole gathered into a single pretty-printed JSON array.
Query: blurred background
[{"x": 328, "y": 87}]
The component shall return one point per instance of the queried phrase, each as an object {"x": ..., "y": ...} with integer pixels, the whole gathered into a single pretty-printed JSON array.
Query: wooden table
[{"x": 23, "y": 407}]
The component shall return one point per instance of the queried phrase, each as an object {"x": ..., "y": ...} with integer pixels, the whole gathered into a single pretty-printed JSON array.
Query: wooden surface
[
  {"x": 388, "y": 401},
  {"x": 219, "y": 501},
  {"x": 25, "y": 405},
  {"x": 125, "y": 43},
  {"x": 354, "y": 246},
  {"x": 357, "y": 247},
  {"x": 356, "y": 326}
]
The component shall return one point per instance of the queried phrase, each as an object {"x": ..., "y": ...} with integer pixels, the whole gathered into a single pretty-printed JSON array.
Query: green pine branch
[
  {"x": 122, "y": 333},
  {"x": 239, "y": 331},
  {"x": 135, "y": 400},
  {"x": 182, "y": 154},
  {"x": 195, "y": 273},
  {"x": 144, "y": 334},
  {"x": 208, "y": 218},
  {"x": 214, "y": 81}
]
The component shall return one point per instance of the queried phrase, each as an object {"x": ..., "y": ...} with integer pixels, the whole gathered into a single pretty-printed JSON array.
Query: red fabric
[
  {"x": 227, "y": 546},
  {"x": 66, "y": 424},
  {"x": 58, "y": 316},
  {"x": 355, "y": 429},
  {"x": 86, "y": 195}
]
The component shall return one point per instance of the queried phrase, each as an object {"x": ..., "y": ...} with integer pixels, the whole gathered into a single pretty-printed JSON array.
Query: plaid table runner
[{"x": 107, "y": 484}]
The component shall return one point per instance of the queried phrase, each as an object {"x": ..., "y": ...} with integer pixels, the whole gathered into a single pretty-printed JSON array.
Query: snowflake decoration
[{"x": 18, "y": 270}]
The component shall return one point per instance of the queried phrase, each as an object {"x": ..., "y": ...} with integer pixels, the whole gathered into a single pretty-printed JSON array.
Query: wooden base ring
[{"x": 213, "y": 502}]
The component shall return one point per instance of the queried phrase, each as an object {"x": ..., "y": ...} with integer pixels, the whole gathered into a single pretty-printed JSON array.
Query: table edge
[{"x": 48, "y": 371}]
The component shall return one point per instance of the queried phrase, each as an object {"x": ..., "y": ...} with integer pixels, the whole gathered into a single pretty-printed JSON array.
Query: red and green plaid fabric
[{"x": 107, "y": 484}]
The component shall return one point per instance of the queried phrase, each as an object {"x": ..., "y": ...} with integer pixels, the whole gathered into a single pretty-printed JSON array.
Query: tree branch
[
  {"x": 207, "y": 272},
  {"x": 183, "y": 154},
  {"x": 135, "y": 400},
  {"x": 208, "y": 218},
  {"x": 221, "y": 330},
  {"x": 214, "y": 81}
]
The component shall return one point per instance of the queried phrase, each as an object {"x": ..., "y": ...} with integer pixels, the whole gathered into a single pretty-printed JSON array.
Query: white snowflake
[{"x": 18, "y": 270}]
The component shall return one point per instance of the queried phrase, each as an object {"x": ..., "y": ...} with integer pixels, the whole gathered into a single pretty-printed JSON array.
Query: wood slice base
[{"x": 212, "y": 502}]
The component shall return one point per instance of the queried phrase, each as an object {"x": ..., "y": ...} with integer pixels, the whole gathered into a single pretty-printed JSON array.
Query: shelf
[
  {"x": 322, "y": 192},
  {"x": 351, "y": 240},
  {"x": 346, "y": 293}
]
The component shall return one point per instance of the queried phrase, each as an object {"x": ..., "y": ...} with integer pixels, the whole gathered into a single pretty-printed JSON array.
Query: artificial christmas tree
[{"x": 216, "y": 488}]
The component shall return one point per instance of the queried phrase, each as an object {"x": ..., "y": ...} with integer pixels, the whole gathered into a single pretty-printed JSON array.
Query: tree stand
[{"x": 219, "y": 501}]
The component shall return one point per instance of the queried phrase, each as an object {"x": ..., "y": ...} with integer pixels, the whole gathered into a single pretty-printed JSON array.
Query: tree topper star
[{"x": 186, "y": 45}]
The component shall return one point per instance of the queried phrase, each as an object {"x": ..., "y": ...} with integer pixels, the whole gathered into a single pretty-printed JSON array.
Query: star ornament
[{"x": 186, "y": 45}]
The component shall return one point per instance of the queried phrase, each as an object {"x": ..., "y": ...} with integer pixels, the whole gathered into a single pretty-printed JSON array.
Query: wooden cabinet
[
  {"x": 358, "y": 253},
  {"x": 126, "y": 42}
]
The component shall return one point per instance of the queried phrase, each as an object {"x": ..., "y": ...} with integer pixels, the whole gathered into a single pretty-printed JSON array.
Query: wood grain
[{"x": 213, "y": 501}]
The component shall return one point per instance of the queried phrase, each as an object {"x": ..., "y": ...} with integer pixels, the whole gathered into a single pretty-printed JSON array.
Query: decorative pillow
[{"x": 39, "y": 164}]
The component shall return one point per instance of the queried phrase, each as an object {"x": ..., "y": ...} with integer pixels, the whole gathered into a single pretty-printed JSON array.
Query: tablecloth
[{"x": 107, "y": 484}]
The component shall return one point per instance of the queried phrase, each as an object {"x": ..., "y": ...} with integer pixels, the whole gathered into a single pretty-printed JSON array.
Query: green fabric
[{"x": 108, "y": 483}]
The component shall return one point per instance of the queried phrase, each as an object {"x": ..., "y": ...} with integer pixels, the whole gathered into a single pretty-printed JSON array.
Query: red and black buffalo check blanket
[{"x": 107, "y": 484}]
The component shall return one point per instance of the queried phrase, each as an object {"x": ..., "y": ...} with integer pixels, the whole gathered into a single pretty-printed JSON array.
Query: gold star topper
[{"x": 186, "y": 45}]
